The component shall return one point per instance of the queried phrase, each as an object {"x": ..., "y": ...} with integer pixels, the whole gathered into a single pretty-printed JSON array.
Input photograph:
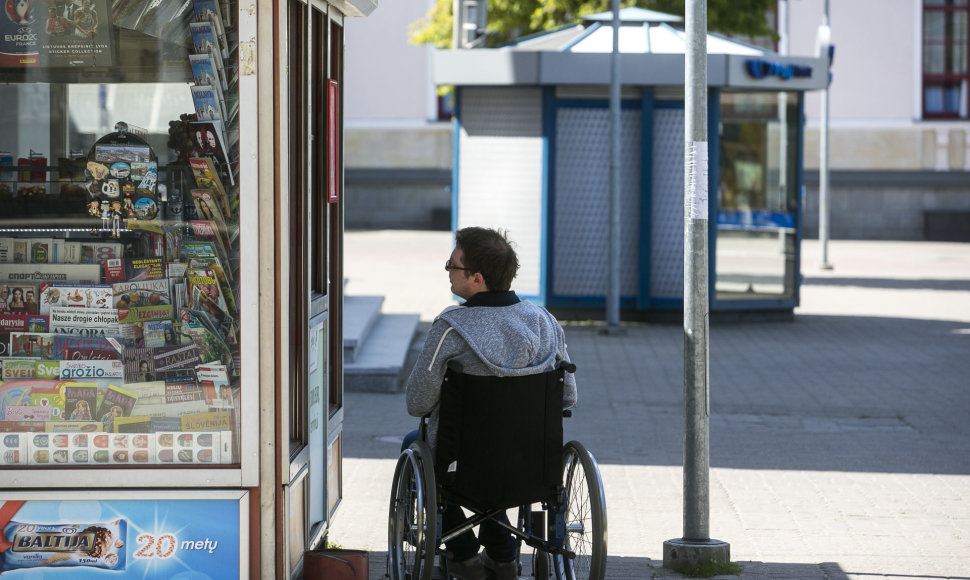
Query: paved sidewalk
[{"x": 840, "y": 442}]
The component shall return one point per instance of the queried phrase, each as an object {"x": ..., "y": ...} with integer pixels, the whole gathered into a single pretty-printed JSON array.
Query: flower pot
[{"x": 333, "y": 564}]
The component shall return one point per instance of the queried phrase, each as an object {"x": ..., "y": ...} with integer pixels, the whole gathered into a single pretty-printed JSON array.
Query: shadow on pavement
[
  {"x": 828, "y": 393},
  {"x": 890, "y": 283},
  {"x": 634, "y": 568}
]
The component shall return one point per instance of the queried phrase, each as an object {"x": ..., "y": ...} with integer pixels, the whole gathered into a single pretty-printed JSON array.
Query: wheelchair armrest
[{"x": 423, "y": 427}]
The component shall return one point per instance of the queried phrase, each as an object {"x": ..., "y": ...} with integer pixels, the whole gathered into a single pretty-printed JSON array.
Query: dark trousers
[{"x": 498, "y": 541}]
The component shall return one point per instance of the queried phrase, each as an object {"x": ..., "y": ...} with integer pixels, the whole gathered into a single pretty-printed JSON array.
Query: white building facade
[{"x": 899, "y": 131}]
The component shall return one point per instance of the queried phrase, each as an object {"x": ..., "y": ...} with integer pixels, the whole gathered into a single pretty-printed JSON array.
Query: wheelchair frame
[{"x": 568, "y": 533}]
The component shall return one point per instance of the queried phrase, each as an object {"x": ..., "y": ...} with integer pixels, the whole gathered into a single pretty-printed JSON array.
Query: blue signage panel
[{"x": 195, "y": 539}]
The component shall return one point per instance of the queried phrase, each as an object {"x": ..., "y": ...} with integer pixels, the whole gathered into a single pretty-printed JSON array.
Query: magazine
[
  {"x": 205, "y": 72},
  {"x": 141, "y": 293},
  {"x": 21, "y": 322},
  {"x": 208, "y": 421},
  {"x": 20, "y": 368},
  {"x": 49, "y": 397},
  {"x": 207, "y": 106},
  {"x": 6, "y": 250},
  {"x": 117, "y": 402},
  {"x": 71, "y": 347},
  {"x": 174, "y": 390},
  {"x": 75, "y": 295},
  {"x": 199, "y": 327},
  {"x": 156, "y": 333},
  {"x": 19, "y": 298},
  {"x": 210, "y": 11},
  {"x": 88, "y": 252},
  {"x": 169, "y": 409},
  {"x": 114, "y": 270},
  {"x": 207, "y": 177},
  {"x": 208, "y": 209},
  {"x": 84, "y": 321},
  {"x": 102, "y": 372},
  {"x": 210, "y": 136},
  {"x": 32, "y": 344},
  {"x": 143, "y": 424},
  {"x": 214, "y": 382},
  {"x": 47, "y": 369},
  {"x": 19, "y": 274},
  {"x": 138, "y": 365},
  {"x": 204, "y": 38},
  {"x": 207, "y": 231},
  {"x": 80, "y": 401},
  {"x": 175, "y": 358},
  {"x": 139, "y": 269},
  {"x": 40, "y": 250},
  {"x": 152, "y": 364},
  {"x": 28, "y": 413}
]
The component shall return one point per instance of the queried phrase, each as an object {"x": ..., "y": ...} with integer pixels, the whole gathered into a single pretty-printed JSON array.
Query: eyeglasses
[{"x": 448, "y": 267}]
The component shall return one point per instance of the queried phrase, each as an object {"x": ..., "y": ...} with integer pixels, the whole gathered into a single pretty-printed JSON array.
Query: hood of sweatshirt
[{"x": 519, "y": 339}]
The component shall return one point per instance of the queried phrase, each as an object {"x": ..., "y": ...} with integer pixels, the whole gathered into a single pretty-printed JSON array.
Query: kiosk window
[
  {"x": 757, "y": 196},
  {"x": 119, "y": 234}
]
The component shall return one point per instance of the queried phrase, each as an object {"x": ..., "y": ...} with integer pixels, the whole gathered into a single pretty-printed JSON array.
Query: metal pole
[
  {"x": 780, "y": 202},
  {"x": 823, "y": 152},
  {"x": 696, "y": 545},
  {"x": 696, "y": 439},
  {"x": 613, "y": 259},
  {"x": 456, "y": 24}
]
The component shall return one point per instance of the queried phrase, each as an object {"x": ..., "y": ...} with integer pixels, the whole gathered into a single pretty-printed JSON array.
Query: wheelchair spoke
[
  {"x": 584, "y": 517},
  {"x": 412, "y": 524}
]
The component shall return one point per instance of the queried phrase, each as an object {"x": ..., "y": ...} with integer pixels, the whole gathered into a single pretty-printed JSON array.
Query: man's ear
[{"x": 479, "y": 280}]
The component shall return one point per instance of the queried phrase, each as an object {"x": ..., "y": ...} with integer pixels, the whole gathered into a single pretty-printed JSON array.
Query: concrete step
[
  {"x": 361, "y": 313},
  {"x": 379, "y": 366}
]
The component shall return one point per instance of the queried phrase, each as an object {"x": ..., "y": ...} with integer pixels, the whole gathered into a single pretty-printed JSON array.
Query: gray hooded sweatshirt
[{"x": 493, "y": 334}]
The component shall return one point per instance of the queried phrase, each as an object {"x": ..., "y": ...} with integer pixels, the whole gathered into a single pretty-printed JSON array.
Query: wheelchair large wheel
[
  {"x": 585, "y": 517},
  {"x": 411, "y": 536}
]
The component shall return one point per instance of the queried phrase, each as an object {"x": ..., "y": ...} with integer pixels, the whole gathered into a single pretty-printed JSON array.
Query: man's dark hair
[{"x": 489, "y": 253}]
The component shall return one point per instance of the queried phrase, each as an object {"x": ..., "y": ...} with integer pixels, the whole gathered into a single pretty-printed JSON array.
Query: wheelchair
[{"x": 500, "y": 447}]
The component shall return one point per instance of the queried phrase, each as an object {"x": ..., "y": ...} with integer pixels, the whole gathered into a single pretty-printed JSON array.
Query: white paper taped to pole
[{"x": 698, "y": 180}]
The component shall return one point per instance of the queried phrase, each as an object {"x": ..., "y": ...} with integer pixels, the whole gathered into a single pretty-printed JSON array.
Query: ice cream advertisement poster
[{"x": 195, "y": 539}]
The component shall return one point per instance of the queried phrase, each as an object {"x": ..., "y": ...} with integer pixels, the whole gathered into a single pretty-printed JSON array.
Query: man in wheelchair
[{"x": 493, "y": 333}]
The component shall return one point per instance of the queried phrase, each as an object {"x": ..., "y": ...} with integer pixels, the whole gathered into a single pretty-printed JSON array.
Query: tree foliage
[{"x": 511, "y": 19}]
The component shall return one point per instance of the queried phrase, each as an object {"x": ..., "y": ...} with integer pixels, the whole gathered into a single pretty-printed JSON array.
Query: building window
[{"x": 945, "y": 48}]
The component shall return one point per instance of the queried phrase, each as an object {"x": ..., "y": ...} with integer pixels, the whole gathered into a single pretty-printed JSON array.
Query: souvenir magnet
[
  {"x": 149, "y": 180},
  {"x": 120, "y": 170},
  {"x": 97, "y": 170},
  {"x": 145, "y": 208},
  {"x": 110, "y": 188}
]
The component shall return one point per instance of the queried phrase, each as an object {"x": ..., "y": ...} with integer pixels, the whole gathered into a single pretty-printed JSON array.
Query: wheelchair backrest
[{"x": 500, "y": 439}]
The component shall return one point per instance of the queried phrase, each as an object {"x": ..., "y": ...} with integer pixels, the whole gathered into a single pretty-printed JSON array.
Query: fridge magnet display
[{"x": 123, "y": 174}]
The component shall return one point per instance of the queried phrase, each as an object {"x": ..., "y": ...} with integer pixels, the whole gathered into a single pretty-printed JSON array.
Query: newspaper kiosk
[
  {"x": 170, "y": 335},
  {"x": 531, "y": 149}
]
